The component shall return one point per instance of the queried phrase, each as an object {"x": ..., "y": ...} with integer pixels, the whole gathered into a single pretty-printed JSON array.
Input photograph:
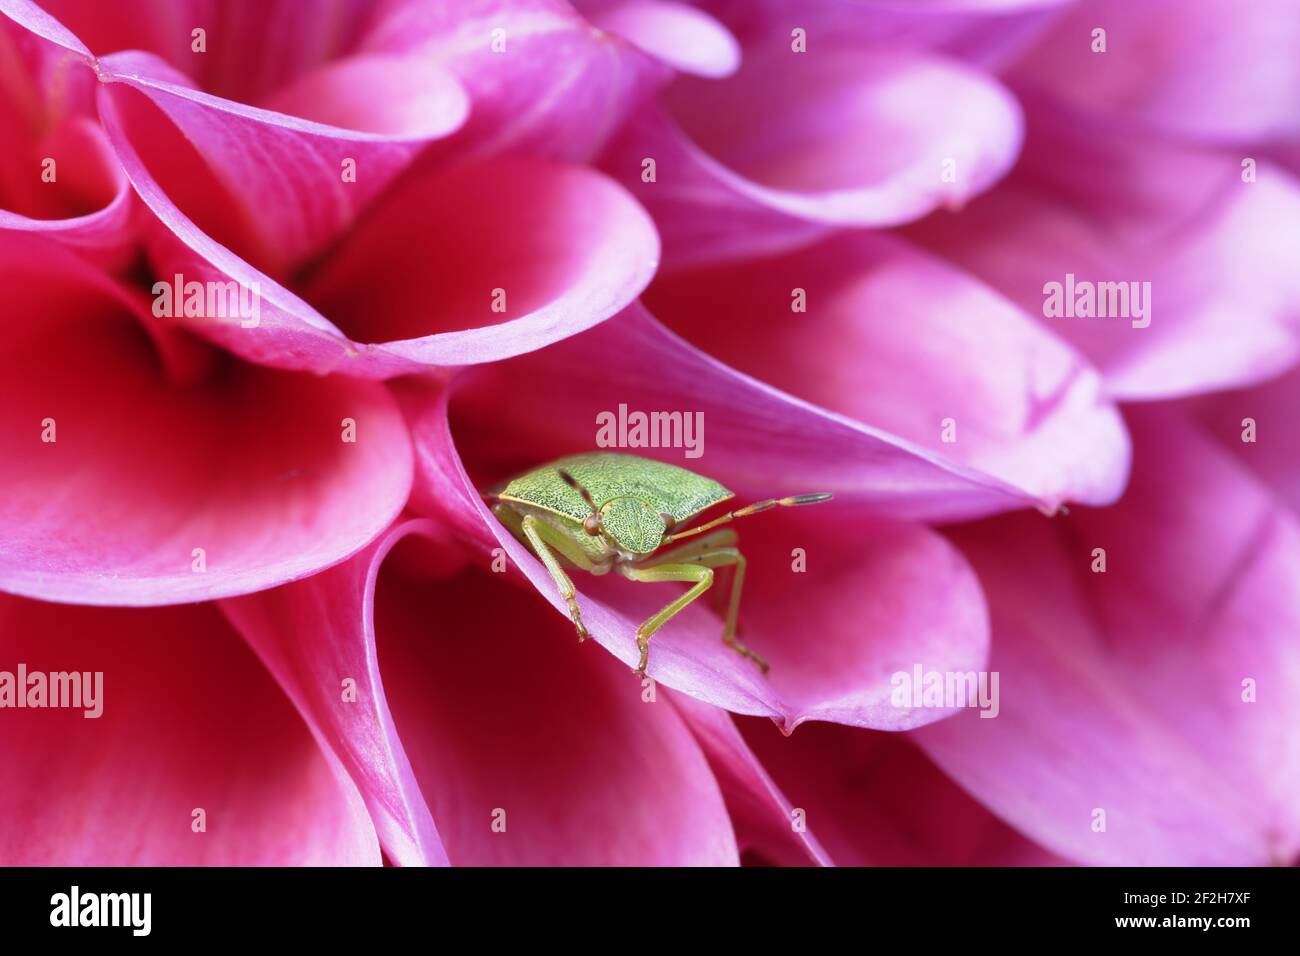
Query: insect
[{"x": 605, "y": 511}]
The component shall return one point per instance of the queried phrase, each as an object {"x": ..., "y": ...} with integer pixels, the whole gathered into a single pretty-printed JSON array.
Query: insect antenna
[
  {"x": 592, "y": 524},
  {"x": 793, "y": 501}
]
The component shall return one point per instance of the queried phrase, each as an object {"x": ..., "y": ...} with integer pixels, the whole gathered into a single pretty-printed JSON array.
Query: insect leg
[
  {"x": 700, "y": 576},
  {"x": 717, "y": 557},
  {"x": 538, "y": 533}
]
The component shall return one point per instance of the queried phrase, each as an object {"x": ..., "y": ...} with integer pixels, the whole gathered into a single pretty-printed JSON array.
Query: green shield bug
[{"x": 605, "y": 511}]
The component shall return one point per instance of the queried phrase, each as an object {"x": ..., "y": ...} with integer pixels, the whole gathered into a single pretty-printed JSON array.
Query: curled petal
[
  {"x": 525, "y": 748},
  {"x": 1165, "y": 674},
  {"x": 1194, "y": 68},
  {"x": 195, "y": 759},
  {"x": 754, "y": 438},
  {"x": 479, "y": 299},
  {"x": 59, "y": 177},
  {"x": 881, "y": 802},
  {"x": 866, "y": 588},
  {"x": 767, "y": 826},
  {"x": 883, "y": 333},
  {"x": 542, "y": 79},
  {"x": 1187, "y": 257},
  {"x": 286, "y": 176},
  {"x": 259, "y": 484},
  {"x": 856, "y": 142},
  {"x": 684, "y": 37}
]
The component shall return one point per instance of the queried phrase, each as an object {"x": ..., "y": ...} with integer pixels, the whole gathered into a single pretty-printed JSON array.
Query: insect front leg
[
  {"x": 700, "y": 576},
  {"x": 716, "y": 557},
  {"x": 538, "y": 534}
]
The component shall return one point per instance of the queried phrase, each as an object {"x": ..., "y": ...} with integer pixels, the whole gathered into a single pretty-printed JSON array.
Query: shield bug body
[{"x": 604, "y": 511}]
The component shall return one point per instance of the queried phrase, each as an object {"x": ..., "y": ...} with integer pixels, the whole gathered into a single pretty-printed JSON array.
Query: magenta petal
[
  {"x": 503, "y": 717},
  {"x": 189, "y": 721},
  {"x": 507, "y": 720},
  {"x": 935, "y": 344},
  {"x": 869, "y": 591},
  {"x": 256, "y": 472},
  {"x": 684, "y": 37},
  {"x": 1261, "y": 427},
  {"x": 754, "y": 436},
  {"x": 1150, "y": 692},
  {"x": 542, "y": 81},
  {"x": 875, "y": 800},
  {"x": 286, "y": 173},
  {"x": 315, "y": 636},
  {"x": 1092, "y": 202},
  {"x": 46, "y": 116},
  {"x": 549, "y": 290},
  {"x": 861, "y": 141},
  {"x": 30, "y": 15},
  {"x": 765, "y": 821},
  {"x": 1197, "y": 68}
]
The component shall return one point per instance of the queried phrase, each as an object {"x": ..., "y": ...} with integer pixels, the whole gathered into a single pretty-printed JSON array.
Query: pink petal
[
  {"x": 147, "y": 466},
  {"x": 766, "y": 826},
  {"x": 284, "y": 174},
  {"x": 551, "y": 290},
  {"x": 1267, "y": 415},
  {"x": 1127, "y": 691},
  {"x": 935, "y": 345},
  {"x": 880, "y": 802},
  {"x": 983, "y": 32},
  {"x": 45, "y": 116},
  {"x": 685, "y": 38},
  {"x": 315, "y": 635},
  {"x": 855, "y": 141},
  {"x": 541, "y": 79},
  {"x": 868, "y": 594},
  {"x": 1197, "y": 68},
  {"x": 498, "y": 710},
  {"x": 1091, "y": 202},
  {"x": 634, "y": 361},
  {"x": 121, "y": 789}
]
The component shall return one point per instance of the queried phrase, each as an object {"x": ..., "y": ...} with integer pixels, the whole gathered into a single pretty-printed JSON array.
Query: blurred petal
[
  {"x": 879, "y": 596},
  {"x": 1224, "y": 298},
  {"x": 1121, "y": 688},
  {"x": 1197, "y": 68},
  {"x": 935, "y": 345},
  {"x": 685, "y": 38},
  {"x": 542, "y": 79},
  {"x": 880, "y": 802},
  {"x": 189, "y": 721},
  {"x": 115, "y": 471},
  {"x": 1261, "y": 427},
  {"x": 856, "y": 141}
]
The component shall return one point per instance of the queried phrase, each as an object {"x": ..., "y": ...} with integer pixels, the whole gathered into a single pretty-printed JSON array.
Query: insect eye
[{"x": 591, "y": 524}]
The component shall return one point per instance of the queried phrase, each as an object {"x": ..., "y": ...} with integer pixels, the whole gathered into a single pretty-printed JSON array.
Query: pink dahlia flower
[{"x": 287, "y": 285}]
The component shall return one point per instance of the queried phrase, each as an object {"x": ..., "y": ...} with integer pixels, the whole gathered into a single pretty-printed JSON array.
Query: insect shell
[{"x": 603, "y": 511}]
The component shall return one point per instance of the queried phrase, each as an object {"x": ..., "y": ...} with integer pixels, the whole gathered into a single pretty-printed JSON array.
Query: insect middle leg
[
  {"x": 699, "y": 569},
  {"x": 539, "y": 535}
]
